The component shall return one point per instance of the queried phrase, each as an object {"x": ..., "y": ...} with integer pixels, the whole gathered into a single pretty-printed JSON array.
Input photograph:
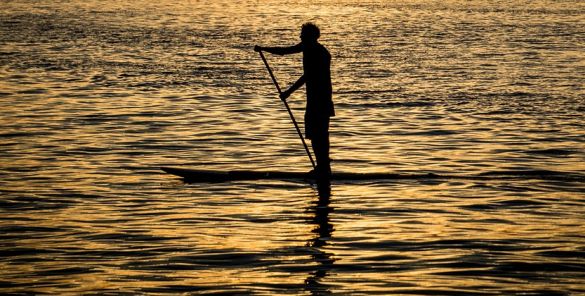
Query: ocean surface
[{"x": 96, "y": 96}]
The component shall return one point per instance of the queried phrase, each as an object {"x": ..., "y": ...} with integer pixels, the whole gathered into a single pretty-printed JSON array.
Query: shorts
[{"x": 316, "y": 127}]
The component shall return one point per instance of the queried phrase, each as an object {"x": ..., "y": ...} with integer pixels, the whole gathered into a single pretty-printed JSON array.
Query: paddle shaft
[{"x": 292, "y": 117}]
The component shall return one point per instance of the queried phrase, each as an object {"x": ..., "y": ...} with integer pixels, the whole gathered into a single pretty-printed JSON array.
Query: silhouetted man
[{"x": 317, "y": 77}]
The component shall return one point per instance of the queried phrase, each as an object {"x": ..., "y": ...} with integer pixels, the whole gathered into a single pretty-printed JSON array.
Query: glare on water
[{"x": 95, "y": 96}]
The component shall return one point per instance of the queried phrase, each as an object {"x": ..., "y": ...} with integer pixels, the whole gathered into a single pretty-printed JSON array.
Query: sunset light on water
[{"x": 475, "y": 108}]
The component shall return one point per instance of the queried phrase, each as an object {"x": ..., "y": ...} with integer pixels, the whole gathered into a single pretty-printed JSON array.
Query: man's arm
[
  {"x": 284, "y": 95},
  {"x": 280, "y": 50}
]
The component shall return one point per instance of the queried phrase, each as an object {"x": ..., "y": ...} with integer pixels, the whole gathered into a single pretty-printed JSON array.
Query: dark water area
[{"x": 96, "y": 96}]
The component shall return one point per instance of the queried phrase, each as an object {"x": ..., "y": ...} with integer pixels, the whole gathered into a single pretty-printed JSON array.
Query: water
[{"x": 95, "y": 96}]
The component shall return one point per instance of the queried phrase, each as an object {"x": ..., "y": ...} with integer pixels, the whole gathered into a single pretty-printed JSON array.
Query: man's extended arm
[{"x": 280, "y": 50}]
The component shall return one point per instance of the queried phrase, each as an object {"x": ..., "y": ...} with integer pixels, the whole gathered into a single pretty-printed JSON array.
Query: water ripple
[{"x": 482, "y": 100}]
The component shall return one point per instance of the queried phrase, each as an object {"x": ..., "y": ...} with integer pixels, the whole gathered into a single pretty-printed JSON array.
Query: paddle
[{"x": 287, "y": 108}]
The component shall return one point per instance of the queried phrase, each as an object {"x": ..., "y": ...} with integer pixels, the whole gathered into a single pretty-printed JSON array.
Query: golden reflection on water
[
  {"x": 285, "y": 235},
  {"x": 95, "y": 96}
]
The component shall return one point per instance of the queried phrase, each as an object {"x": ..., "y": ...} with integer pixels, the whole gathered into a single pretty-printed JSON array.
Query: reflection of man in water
[
  {"x": 324, "y": 230},
  {"x": 317, "y": 77}
]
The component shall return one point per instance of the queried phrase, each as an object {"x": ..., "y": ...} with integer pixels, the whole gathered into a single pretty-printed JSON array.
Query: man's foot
[{"x": 321, "y": 173}]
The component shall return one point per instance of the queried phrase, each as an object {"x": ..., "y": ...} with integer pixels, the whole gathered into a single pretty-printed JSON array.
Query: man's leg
[
  {"x": 321, "y": 149},
  {"x": 320, "y": 143}
]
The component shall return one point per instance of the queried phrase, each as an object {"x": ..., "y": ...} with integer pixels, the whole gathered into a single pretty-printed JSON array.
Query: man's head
[{"x": 310, "y": 33}]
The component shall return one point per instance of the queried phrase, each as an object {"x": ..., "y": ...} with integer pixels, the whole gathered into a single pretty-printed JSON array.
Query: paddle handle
[{"x": 292, "y": 117}]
